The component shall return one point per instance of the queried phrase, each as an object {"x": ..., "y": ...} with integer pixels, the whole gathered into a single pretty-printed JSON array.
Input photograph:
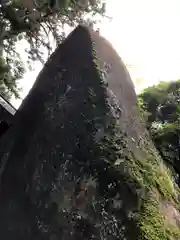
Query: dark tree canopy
[{"x": 36, "y": 22}]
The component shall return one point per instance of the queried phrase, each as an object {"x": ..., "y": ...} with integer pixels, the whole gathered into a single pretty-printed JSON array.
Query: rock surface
[{"x": 78, "y": 162}]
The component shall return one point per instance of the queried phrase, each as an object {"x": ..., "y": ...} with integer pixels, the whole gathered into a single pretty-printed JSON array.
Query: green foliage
[
  {"x": 162, "y": 102},
  {"x": 9, "y": 76},
  {"x": 151, "y": 98},
  {"x": 37, "y": 23}
]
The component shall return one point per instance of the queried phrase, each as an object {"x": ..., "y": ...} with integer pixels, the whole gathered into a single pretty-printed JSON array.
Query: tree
[
  {"x": 162, "y": 102},
  {"x": 10, "y": 73},
  {"x": 38, "y": 22}
]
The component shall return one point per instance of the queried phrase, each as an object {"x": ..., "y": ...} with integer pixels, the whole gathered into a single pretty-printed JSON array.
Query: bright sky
[{"x": 146, "y": 34}]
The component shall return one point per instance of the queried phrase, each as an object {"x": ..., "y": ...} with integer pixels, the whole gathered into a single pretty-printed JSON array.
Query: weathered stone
[{"x": 71, "y": 166}]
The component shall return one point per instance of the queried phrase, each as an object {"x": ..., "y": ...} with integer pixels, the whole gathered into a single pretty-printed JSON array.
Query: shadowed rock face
[{"x": 64, "y": 163}]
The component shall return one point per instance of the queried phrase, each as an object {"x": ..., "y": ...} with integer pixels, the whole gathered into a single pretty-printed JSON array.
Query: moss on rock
[{"x": 79, "y": 175}]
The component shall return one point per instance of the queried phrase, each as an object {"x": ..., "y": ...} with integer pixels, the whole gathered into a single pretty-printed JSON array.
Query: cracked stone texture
[{"x": 58, "y": 180}]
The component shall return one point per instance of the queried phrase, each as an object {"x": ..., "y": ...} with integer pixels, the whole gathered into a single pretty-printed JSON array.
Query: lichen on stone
[{"x": 80, "y": 175}]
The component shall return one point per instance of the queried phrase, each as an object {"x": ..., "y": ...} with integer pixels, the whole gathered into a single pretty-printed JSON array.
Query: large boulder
[{"x": 78, "y": 162}]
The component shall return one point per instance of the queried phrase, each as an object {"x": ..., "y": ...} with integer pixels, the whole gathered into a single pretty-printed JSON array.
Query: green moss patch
[
  {"x": 150, "y": 174},
  {"x": 152, "y": 222},
  {"x": 155, "y": 180}
]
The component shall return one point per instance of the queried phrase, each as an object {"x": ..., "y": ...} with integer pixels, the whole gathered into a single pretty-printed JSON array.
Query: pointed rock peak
[
  {"x": 80, "y": 28},
  {"x": 78, "y": 42}
]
